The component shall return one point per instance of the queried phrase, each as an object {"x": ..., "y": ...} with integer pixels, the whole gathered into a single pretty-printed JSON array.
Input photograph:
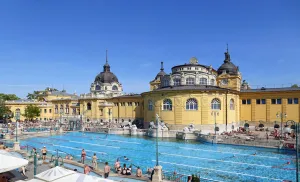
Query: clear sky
[{"x": 56, "y": 43}]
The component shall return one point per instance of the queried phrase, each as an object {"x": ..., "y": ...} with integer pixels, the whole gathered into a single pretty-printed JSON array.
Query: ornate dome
[
  {"x": 106, "y": 77},
  {"x": 161, "y": 73},
  {"x": 228, "y": 67}
]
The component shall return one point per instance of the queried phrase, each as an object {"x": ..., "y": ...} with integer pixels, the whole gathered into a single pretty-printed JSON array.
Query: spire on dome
[
  {"x": 161, "y": 66},
  {"x": 106, "y": 67},
  {"x": 106, "y": 57},
  {"x": 227, "y": 55}
]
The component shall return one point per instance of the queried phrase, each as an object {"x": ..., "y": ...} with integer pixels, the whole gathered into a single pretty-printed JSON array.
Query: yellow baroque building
[{"x": 191, "y": 93}]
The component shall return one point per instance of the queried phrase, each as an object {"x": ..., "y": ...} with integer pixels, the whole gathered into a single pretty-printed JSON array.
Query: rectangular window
[
  {"x": 101, "y": 112},
  {"x": 273, "y": 101},
  {"x": 116, "y": 104},
  {"x": 278, "y": 101},
  {"x": 290, "y": 101},
  {"x": 50, "y": 110},
  {"x": 45, "y": 110},
  {"x": 257, "y": 101},
  {"x": 248, "y": 101},
  {"x": 129, "y": 103},
  {"x": 122, "y": 103},
  {"x": 137, "y": 103},
  {"x": 243, "y": 101},
  {"x": 295, "y": 100},
  {"x": 263, "y": 101}
]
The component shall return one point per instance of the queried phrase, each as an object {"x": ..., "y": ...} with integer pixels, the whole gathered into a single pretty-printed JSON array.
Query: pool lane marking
[
  {"x": 216, "y": 160},
  {"x": 231, "y": 153},
  {"x": 81, "y": 143},
  {"x": 94, "y": 144},
  {"x": 78, "y": 149},
  {"x": 243, "y": 174},
  {"x": 200, "y": 177},
  {"x": 95, "y": 138}
]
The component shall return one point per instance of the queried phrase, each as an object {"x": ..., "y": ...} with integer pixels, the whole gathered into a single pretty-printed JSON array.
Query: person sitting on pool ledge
[
  {"x": 124, "y": 169},
  {"x": 117, "y": 165},
  {"x": 128, "y": 170},
  {"x": 139, "y": 172}
]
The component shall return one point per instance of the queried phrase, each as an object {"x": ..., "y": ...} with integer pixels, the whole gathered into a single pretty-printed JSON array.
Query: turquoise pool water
[{"x": 212, "y": 162}]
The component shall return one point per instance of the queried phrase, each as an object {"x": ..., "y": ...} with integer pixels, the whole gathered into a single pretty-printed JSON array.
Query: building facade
[{"x": 191, "y": 93}]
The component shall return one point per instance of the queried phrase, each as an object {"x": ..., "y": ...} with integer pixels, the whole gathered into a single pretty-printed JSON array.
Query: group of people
[{"x": 126, "y": 170}]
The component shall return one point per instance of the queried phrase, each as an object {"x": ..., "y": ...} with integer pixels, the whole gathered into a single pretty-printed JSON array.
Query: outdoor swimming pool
[{"x": 215, "y": 162}]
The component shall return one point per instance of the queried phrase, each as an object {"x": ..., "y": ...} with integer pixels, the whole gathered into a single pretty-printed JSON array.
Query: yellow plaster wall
[
  {"x": 268, "y": 111},
  {"x": 179, "y": 114}
]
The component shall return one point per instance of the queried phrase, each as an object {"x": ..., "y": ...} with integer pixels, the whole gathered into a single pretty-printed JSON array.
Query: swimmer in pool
[{"x": 125, "y": 158}]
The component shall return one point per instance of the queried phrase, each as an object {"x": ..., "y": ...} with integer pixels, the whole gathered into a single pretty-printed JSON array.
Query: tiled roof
[
  {"x": 191, "y": 87},
  {"x": 129, "y": 95},
  {"x": 272, "y": 89}
]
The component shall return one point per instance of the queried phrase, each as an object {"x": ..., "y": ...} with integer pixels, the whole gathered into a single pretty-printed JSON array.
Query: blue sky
[{"x": 45, "y": 43}]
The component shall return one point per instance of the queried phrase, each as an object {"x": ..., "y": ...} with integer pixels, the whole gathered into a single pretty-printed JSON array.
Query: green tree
[
  {"x": 33, "y": 95},
  {"x": 5, "y": 97},
  {"x": 3, "y": 109},
  {"x": 295, "y": 86},
  {"x": 31, "y": 111}
]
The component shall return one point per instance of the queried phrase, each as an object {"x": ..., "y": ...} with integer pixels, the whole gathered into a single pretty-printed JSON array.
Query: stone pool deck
[{"x": 46, "y": 165}]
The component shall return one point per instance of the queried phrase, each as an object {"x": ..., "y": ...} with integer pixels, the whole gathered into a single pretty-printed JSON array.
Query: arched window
[
  {"x": 231, "y": 104},
  {"x": 89, "y": 106},
  {"x": 177, "y": 81},
  {"x": 190, "y": 81},
  {"x": 167, "y": 105},
  {"x": 166, "y": 83},
  {"x": 18, "y": 113},
  {"x": 114, "y": 87},
  {"x": 203, "y": 81},
  {"x": 212, "y": 81},
  {"x": 67, "y": 108},
  {"x": 56, "y": 109},
  {"x": 150, "y": 105},
  {"x": 61, "y": 109},
  {"x": 191, "y": 104},
  {"x": 98, "y": 87},
  {"x": 216, "y": 104}
]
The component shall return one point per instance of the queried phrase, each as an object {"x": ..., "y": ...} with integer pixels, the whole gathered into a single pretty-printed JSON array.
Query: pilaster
[
  {"x": 268, "y": 108},
  {"x": 178, "y": 110},
  {"x": 284, "y": 104},
  {"x": 253, "y": 106},
  {"x": 205, "y": 108}
]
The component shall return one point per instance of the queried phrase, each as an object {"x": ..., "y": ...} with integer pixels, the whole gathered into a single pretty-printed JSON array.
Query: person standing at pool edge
[
  {"x": 44, "y": 152},
  {"x": 94, "y": 161},
  {"x": 83, "y": 154},
  {"x": 106, "y": 170}
]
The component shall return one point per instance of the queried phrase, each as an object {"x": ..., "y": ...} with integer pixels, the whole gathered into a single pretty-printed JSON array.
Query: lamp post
[
  {"x": 16, "y": 143},
  {"x": 61, "y": 112},
  {"x": 281, "y": 116},
  {"x": 215, "y": 113},
  {"x": 34, "y": 163},
  {"x": 157, "y": 176},
  {"x": 157, "y": 118}
]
